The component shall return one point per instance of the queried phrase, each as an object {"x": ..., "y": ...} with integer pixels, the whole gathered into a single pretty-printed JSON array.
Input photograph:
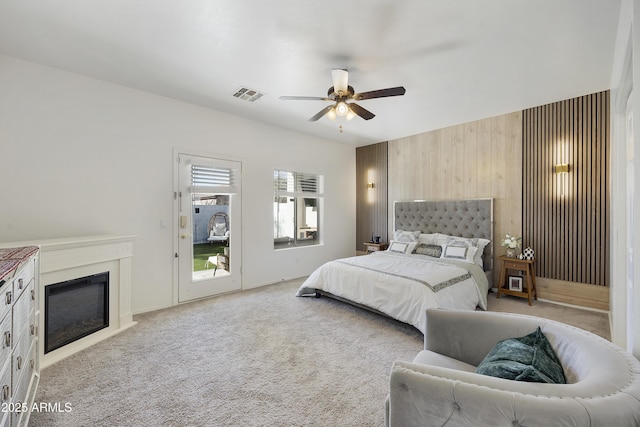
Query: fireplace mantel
[{"x": 69, "y": 258}]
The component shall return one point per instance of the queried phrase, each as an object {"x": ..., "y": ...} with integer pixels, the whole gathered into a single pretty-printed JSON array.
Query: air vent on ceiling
[{"x": 247, "y": 94}]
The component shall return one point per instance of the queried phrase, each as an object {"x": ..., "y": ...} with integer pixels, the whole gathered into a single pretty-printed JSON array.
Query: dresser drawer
[
  {"x": 21, "y": 386},
  {"x": 30, "y": 294},
  {"x": 6, "y": 338},
  {"x": 5, "y": 392},
  {"x": 21, "y": 310},
  {"x": 20, "y": 359},
  {"x": 24, "y": 277},
  {"x": 6, "y": 299}
]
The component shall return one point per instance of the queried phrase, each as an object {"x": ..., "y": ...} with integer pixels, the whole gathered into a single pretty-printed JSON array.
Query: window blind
[
  {"x": 297, "y": 184},
  {"x": 212, "y": 179}
]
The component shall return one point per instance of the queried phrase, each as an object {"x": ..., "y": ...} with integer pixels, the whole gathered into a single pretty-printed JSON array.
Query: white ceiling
[{"x": 459, "y": 60}]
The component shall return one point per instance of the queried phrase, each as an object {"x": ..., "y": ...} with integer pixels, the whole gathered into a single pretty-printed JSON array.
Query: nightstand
[
  {"x": 516, "y": 284},
  {"x": 375, "y": 247}
]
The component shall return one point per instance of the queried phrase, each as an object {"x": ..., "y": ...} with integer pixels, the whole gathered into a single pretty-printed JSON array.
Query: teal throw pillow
[{"x": 529, "y": 358}]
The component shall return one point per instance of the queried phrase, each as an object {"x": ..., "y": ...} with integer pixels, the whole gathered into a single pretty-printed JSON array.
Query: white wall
[
  {"x": 84, "y": 157},
  {"x": 625, "y": 229}
]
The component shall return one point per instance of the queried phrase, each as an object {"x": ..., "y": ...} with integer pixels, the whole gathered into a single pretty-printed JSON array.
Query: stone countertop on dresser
[{"x": 11, "y": 258}]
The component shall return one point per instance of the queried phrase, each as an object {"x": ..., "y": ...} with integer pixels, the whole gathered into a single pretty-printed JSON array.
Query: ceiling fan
[{"x": 340, "y": 93}]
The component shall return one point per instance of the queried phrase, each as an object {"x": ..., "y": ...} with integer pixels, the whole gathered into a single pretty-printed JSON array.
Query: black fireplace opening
[{"x": 74, "y": 309}]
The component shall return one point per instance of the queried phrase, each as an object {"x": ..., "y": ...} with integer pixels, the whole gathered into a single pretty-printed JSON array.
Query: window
[{"x": 297, "y": 204}]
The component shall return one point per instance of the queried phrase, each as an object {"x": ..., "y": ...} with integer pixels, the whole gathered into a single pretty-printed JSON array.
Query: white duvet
[{"x": 402, "y": 286}]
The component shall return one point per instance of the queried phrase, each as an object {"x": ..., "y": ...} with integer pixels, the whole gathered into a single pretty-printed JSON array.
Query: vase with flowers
[{"x": 511, "y": 243}]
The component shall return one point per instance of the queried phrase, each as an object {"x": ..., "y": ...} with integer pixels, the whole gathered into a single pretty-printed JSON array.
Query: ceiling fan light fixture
[
  {"x": 350, "y": 115},
  {"x": 340, "y": 80},
  {"x": 342, "y": 109},
  {"x": 340, "y": 93}
]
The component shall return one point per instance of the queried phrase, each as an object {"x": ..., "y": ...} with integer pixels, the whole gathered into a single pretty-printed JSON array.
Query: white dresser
[{"x": 19, "y": 313}]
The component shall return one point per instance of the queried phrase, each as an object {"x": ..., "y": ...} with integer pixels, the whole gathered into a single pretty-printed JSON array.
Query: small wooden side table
[
  {"x": 529, "y": 278},
  {"x": 375, "y": 247},
  {"x": 222, "y": 263}
]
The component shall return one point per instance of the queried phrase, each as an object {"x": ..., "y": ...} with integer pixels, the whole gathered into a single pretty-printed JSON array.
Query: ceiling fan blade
[
  {"x": 362, "y": 112},
  {"x": 340, "y": 80},
  {"x": 321, "y": 113},
  {"x": 380, "y": 93},
  {"x": 305, "y": 98}
]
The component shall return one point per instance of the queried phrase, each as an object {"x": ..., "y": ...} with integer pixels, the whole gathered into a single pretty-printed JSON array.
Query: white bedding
[{"x": 402, "y": 286}]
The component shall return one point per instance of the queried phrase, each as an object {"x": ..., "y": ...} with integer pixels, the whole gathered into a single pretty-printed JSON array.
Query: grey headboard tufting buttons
[{"x": 464, "y": 218}]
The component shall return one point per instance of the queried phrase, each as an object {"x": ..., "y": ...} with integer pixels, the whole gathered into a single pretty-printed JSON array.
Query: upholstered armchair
[{"x": 441, "y": 388}]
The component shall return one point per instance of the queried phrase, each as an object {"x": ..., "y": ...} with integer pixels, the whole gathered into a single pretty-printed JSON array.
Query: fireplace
[
  {"x": 68, "y": 258},
  {"x": 75, "y": 309}
]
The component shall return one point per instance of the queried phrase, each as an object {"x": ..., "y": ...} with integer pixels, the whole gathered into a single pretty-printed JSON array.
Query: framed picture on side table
[{"x": 515, "y": 283}]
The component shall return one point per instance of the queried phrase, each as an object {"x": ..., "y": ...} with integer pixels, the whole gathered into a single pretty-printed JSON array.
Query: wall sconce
[
  {"x": 562, "y": 170},
  {"x": 370, "y": 178}
]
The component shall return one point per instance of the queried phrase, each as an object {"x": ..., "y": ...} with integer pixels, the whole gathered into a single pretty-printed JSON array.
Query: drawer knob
[
  {"x": 8, "y": 298},
  {"x": 19, "y": 362},
  {"x": 5, "y": 392},
  {"x": 7, "y": 339},
  {"x": 20, "y": 283}
]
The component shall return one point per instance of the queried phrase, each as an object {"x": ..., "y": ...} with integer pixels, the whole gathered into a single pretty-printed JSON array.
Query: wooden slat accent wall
[
  {"x": 371, "y": 204},
  {"x": 567, "y": 224}
]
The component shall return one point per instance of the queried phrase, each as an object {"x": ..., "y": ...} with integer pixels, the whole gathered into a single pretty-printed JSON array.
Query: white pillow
[
  {"x": 402, "y": 247},
  {"x": 442, "y": 239},
  {"x": 405, "y": 236},
  {"x": 427, "y": 239},
  {"x": 482, "y": 243}
]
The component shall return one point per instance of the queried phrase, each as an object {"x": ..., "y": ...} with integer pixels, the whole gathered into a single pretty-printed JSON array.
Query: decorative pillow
[
  {"x": 431, "y": 250},
  {"x": 460, "y": 252},
  {"x": 405, "y": 236},
  {"x": 402, "y": 247},
  {"x": 477, "y": 243},
  {"x": 530, "y": 358},
  {"x": 219, "y": 229}
]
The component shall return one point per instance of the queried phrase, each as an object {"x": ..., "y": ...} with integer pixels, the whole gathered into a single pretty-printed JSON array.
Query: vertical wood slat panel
[
  {"x": 371, "y": 204},
  {"x": 568, "y": 223},
  {"x": 572, "y": 269}
]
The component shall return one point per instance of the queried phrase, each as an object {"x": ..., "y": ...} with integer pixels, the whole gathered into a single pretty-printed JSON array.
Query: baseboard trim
[
  {"x": 575, "y": 294},
  {"x": 580, "y": 307}
]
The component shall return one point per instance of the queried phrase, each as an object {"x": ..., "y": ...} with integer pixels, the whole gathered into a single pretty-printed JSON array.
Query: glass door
[{"x": 208, "y": 226}]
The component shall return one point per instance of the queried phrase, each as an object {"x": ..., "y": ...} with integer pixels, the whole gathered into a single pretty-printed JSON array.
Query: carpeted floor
[{"x": 255, "y": 358}]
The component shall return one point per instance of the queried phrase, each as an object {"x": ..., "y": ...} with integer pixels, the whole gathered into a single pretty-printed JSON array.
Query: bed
[{"x": 441, "y": 255}]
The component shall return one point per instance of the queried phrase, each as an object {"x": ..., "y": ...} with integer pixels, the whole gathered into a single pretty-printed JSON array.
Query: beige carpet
[{"x": 256, "y": 358}]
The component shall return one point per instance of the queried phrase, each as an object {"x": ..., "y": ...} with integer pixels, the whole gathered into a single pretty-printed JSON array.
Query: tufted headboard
[{"x": 464, "y": 218}]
